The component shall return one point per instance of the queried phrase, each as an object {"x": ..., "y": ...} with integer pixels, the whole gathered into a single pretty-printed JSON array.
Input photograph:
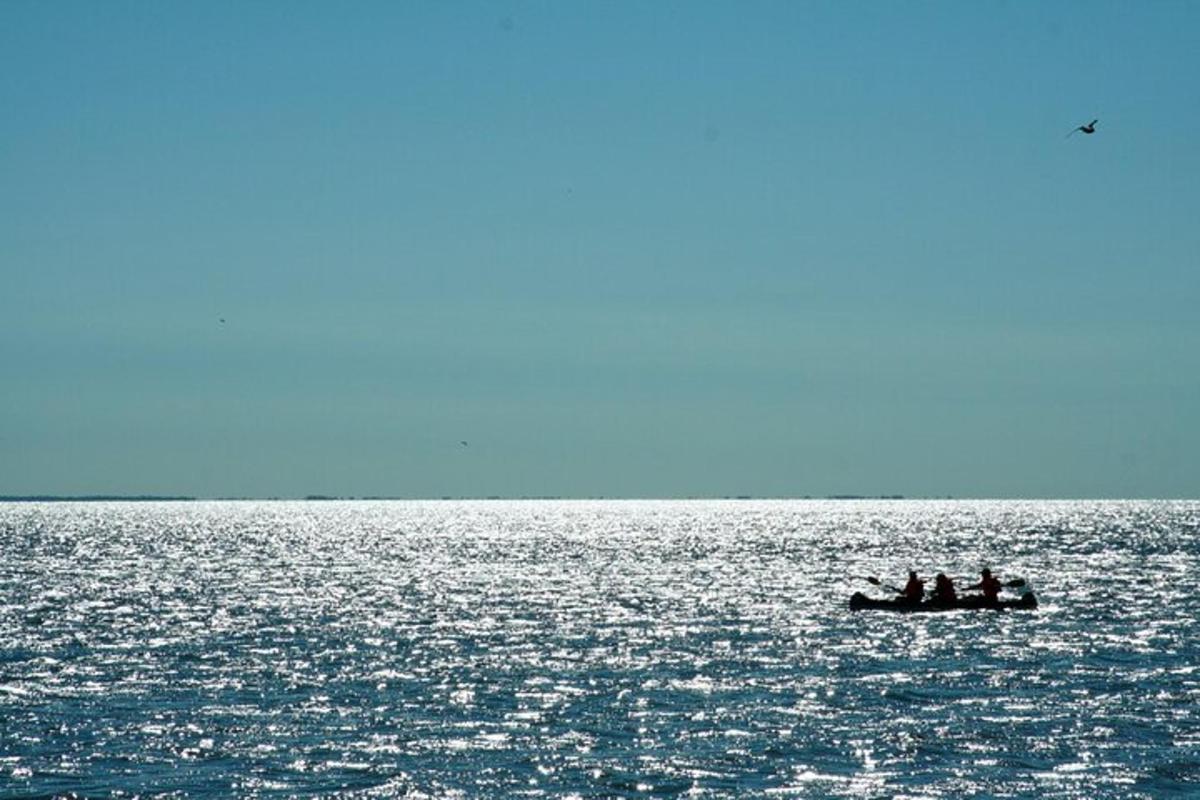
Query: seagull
[
  {"x": 464, "y": 444},
  {"x": 1090, "y": 128}
]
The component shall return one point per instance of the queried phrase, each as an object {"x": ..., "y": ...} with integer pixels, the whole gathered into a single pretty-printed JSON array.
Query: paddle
[
  {"x": 1015, "y": 583},
  {"x": 879, "y": 583}
]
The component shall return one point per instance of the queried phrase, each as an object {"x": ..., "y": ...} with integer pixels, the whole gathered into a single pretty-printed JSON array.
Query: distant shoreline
[
  {"x": 91, "y": 498},
  {"x": 153, "y": 498}
]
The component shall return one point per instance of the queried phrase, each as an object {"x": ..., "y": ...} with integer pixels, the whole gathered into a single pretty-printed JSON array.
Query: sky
[{"x": 623, "y": 249}]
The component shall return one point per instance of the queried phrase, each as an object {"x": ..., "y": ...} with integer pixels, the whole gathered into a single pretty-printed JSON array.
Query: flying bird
[
  {"x": 464, "y": 444},
  {"x": 1090, "y": 128}
]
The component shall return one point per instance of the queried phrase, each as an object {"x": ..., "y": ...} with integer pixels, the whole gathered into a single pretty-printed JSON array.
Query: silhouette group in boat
[
  {"x": 945, "y": 596},
  {"x": 944, "y": 592}
]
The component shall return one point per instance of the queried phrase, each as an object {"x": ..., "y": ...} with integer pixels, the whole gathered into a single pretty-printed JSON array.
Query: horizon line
[{"x": 154, "y": 498}]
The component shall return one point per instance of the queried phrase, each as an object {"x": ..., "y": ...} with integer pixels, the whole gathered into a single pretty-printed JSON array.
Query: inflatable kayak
[{"x": 860, "y": 602}]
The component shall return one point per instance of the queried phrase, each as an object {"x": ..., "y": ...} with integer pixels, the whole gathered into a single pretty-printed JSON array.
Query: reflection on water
[{"x": 593, "y": 649}]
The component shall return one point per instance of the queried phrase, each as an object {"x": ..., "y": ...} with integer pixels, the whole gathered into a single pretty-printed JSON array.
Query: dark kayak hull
[{"x": 860, "y": 602}]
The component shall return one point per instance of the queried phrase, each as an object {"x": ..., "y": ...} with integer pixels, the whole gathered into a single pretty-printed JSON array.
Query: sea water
[{"x": 594, "y": 649}]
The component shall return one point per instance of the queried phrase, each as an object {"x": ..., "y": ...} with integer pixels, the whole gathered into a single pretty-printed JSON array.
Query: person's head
[
  {"x": 987, "y": 573},
  {"x": 912, "y": 574},
  {"x": 941, "y": 578}
]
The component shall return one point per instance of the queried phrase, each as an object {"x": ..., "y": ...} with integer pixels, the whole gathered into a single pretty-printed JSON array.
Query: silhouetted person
[
  {"x": 989, "y": 586},
  {"x": 943, "y": 591},
  {"x": 1090, "y": 128},
  {"x": 914, "y": 590}
]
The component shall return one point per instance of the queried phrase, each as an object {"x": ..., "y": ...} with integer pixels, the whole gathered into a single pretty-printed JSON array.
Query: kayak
[{"x": 860, "y": 602}]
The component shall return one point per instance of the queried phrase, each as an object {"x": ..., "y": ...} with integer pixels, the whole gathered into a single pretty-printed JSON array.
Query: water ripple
[{"x": 593, "y": 649}]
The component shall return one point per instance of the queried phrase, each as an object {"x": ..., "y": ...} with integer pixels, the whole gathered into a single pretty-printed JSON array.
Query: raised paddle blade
[
  {"x": 887, "y": 586},
  {"x": 876, "y": 582}
]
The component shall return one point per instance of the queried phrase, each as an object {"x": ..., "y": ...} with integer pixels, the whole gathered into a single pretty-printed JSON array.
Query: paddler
[
  {"x": 914, "y": 590},
  {"x": 943, "y": 591},
  {"x": 989, "y": 586}
]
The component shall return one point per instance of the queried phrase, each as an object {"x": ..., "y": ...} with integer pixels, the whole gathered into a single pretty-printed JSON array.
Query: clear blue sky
[{"x": 621, "y": 249}]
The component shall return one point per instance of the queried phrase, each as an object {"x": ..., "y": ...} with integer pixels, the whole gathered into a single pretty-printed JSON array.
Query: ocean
[{"x": 461, "y": 649}]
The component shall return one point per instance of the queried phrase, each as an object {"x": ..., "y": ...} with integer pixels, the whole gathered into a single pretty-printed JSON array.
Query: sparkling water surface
[{"x": 593, "y": 649}]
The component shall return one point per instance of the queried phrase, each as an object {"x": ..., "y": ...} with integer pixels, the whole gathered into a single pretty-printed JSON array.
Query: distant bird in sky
[
  {"x": 464, "y": 444},
  {"x": 1090, "y": 128},
  {"x": 222, "y": 320}
]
